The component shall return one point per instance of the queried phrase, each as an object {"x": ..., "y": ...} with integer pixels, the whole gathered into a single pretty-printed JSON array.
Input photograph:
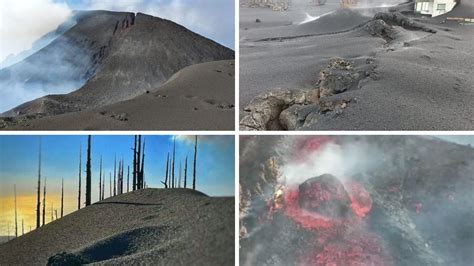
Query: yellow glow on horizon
[{"x": 26, "y": 211}]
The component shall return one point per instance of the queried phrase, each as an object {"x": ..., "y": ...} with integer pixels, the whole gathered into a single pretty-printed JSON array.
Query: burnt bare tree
[
  {"x": 195, "y": 157},
  {"x": 88, "y": 172},
  {"x": 44, "y": 202},
  {"x": 185, "y": 170},
  {"x": 166, "y": 173},
  {"x": 22, "y": 227},
  {"x": 38, "y": 198},
  {"x": 103, "y": 187},
  {"x": 115, "y": 174},
  {"x": 139, "y": 153},
  {"x": 110, "y": 184},
  {"x": 80, "y": 178},
  {"x": 16, "y": 217},
  {"x": 118, "y": 178},
  {"x": 174, "y": 158},
  {"x": 179, "y": 175},
  {"x": 100, "y": 178},
  {"x": 62, "y": 198},
  {"x": 134, "y": 185},
  {"x": 128, "y": 178},
  {"x": 170, "y": 185},
  {"x": 142, "y": 168}
]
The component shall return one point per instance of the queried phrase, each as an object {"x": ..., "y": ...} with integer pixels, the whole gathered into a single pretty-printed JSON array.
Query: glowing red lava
[
  {"x": 361, "y": 203},
  {"x": 306, "y": 219},
  {"x": 338, "y": 241}
]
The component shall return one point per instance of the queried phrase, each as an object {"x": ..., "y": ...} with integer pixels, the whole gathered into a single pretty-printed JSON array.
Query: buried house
[{"x": 434, "y": 7}]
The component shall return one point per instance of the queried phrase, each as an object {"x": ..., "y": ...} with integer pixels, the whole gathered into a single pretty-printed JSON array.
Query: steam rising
[
  {"x": 340, "y": 161},
  {"x": 310, "y": 18}
]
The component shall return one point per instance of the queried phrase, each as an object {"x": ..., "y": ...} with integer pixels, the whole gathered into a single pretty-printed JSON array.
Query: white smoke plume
[
  {"x": 24, "y": 22},
  {"x": 341, "y": 161}
]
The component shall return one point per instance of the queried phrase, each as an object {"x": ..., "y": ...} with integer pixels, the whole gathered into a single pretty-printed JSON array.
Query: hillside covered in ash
[
  {"x": 149, "y": 226},
  {"x": 348, "y": 200},
  {"x": 102, "y": 63}
]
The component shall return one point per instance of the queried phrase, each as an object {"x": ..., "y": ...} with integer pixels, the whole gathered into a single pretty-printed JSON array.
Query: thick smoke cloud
[
  {"x": 340, "y": 161},
  {"x": 24, "y": 22},
  {"x": 57, "y": 71}
]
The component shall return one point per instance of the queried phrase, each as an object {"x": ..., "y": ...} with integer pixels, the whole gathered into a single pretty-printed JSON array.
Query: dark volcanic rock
[
  {"x": 378, "y": 27},
  {"x": 398, "y": 19},
  {"x": 324, "y": 195},
  {"x": 65, "y": 258}
]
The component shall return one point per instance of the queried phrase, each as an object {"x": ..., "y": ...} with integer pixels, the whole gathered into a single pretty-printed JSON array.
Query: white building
[{"x": 434, "y": 7}]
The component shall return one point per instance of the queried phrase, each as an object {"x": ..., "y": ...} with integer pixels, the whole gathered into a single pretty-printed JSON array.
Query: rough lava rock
[{"x": 324, "y": 195}]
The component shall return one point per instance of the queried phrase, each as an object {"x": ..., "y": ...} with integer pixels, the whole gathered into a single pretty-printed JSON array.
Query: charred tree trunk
[
  {"x": 115, "y": 175},
  {"x": 174, "y": 158},
  {"x": 103, "y": 186},
  {"x": 22, "y": 227},
  {"x": 166, "y": 173},
  {"x": 100, "y": 179},
  {"x": 142, "y": 168},
  {"x": 62, "y": 198},
  {"x": 38, "y": 198},
  {"x": 88, "y": 172},
  {"x": 185, "y": 170},
  {"x": 195, "y": 157},
  {"x": 128, "y": 178},
  {"x": 80, "y": 178},
  {"x": 16, "y": 217},
  {"x": 44, "y": 202},
  {"x": 110, "y": 184},
  {"x": 139, "y": 154},
  {"x": 179, "y": 176},
  {"x": 134, "y": 186}
]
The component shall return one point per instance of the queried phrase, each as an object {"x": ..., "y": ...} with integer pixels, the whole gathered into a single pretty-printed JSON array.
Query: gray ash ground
[
  {"x": 421, "y": 78},
  {"x": 150, "y": 226},
  {"x": 422, "y": 197}
]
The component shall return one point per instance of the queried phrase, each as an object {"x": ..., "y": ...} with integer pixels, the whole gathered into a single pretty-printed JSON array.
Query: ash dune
[
  {"x": 417, "y": 78},
  {"x": 107, "y": 58},
  {"x": 153, "y": 226}
]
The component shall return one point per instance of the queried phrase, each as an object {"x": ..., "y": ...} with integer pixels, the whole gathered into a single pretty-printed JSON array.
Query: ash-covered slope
[
  {"x": 192, "y": 96},
  {"x": 111, "y": 57},
  {"x": 150, "y": 226}
]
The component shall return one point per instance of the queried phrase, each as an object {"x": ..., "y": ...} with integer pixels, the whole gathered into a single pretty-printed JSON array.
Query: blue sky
[{"x": 19, "y": 161}]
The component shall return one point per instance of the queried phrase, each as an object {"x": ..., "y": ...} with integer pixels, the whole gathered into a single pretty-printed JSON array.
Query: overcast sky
[{"x": 23, "y": 22}]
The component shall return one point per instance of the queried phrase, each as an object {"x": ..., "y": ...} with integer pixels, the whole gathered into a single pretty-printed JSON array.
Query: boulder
[{"x": 325, "y": 195}]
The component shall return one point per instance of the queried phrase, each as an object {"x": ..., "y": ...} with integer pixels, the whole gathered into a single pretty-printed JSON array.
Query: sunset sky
[{"x": 19, "y": 165}]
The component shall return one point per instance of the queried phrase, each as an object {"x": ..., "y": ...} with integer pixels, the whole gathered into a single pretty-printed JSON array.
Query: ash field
[
  {"x": 149, "y": 227},
  {"x": 350, "y": 200},
  {"x": 373, "y": 67}
]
